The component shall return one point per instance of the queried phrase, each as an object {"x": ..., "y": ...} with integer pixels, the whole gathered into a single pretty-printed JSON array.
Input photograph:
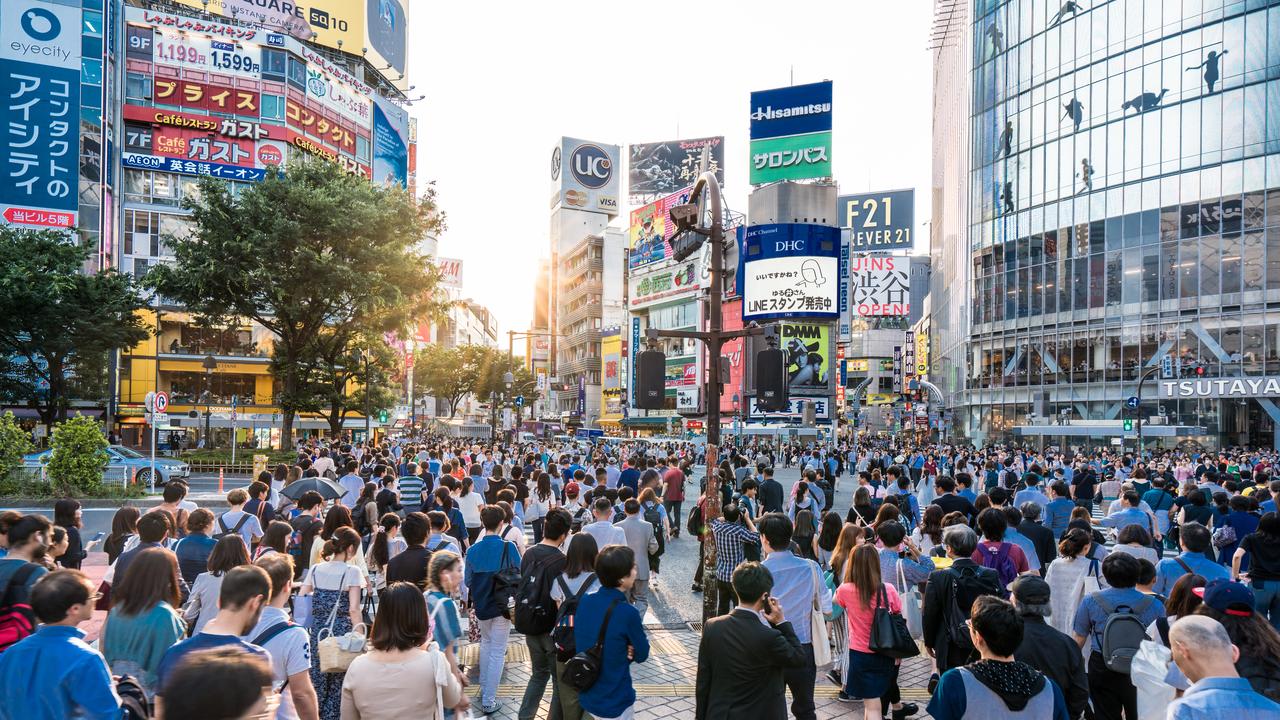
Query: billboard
[
  {"x": 450, "y": 271},
  {"x": 664, "y": 167},
  {"x": 821, "y": 410},
  {"x": 669, "y": 283},
  {"x": 611, "y": 363},
  {"x": 791, "y": 270},
  {"x": 880, "y": 286},
  {"x": 539, "y": 348},
  {"x": 40, "y": 91},
  {"x": 731, "y": 319},
  {"x": 586, "y": 176},
  {"x": 790, "y": 133},
  {"x": 390, "y": 143},
  {"x": 808, "y": 355},
  {"x": 385, "y": 26},
  {"x": 337, "y": 24},
  {"x": 652, "y": 230},
  {"x": 878, "y": 221}
]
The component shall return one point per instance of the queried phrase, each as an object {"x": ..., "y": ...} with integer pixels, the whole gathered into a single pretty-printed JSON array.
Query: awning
[{"x": 650, "y": 421}]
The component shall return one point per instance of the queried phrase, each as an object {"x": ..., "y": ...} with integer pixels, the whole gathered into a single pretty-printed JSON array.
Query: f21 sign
[{"x": 878, "y": 221}]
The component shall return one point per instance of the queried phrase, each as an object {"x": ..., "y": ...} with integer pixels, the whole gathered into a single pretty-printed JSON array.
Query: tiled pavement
[{"x": 665, "y": 682}]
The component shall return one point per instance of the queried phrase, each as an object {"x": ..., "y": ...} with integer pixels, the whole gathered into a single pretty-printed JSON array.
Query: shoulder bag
[
  {"x": 338, "y": 652},
  {"x": 910, "y": 604},
  {"x": 889, "y": 634},
  {"x": 582, "y": 670},
  {"x": 818, "y": 633}
]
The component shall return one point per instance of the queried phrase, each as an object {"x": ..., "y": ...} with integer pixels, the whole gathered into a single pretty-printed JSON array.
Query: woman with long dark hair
[
  {"x": 540, "y": 502},
  {"x": 124, "y": 525},
  {"x": 67, "y": 515},
  {"x": 202, "y": 605},
  {"x": 385, "y": 545},
  {"x": 1263, "y": 550},
  {"x": 470, "y": 501},
  {"x": 143, "y": 622},
  {"x": 275, "y": 539},
  {"x": 337, "y": 517},
  {"x": 928, "y": 534},
  {"x": 578, "y": 579},
  {"x": 861, "y": 512},
  {"x": 870, "y": 675}
]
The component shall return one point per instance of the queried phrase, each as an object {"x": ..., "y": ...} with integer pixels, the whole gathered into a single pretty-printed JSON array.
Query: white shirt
[
  {"x": 322, "y": 464},
  {"x": 290, "y": 654},
  {"x": 606, "y": 533}
]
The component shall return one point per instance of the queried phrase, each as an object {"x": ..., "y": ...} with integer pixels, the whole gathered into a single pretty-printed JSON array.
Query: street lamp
[{"x": 210, "y": 363}]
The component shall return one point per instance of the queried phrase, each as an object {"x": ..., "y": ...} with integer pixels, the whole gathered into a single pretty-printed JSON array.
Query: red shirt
[
  {"x": 674, "y": 480},
  {"x": 1016, "y": 555}
]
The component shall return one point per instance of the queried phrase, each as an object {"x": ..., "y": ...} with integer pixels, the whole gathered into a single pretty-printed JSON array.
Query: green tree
[
  {"x": 58, "y": 325},
  {"x": 304, "y": 252},
  {"x": 14, "y": 443},
  {"x": 452, "y": 373},
  {"x": 78, "y": 457},
  {"x": 333, "y": 366}
]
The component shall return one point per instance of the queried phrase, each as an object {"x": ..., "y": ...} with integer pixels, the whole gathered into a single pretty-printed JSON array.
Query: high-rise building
[{"x": 1119, "y": 165}]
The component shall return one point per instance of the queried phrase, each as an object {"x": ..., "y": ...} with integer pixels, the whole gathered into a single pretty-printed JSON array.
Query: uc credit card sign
[{"x": 40, "y": 97}]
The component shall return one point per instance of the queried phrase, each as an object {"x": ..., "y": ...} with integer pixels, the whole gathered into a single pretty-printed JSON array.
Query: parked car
[{"x": 128, "y": 463}]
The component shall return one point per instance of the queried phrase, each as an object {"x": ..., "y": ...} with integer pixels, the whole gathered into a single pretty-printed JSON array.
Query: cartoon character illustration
[
  {"x": 804, "y": 364},
  {"x": 1144, "y": 102},
  {"x": 812, "y": 274}
]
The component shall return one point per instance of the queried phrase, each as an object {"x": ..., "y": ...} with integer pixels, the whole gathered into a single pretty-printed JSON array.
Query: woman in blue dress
[{"x": 334, "y": 586}]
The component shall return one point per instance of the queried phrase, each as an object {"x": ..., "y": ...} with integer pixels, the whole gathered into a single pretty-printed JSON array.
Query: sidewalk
[
  {"x": 664, "y": 684},
  {"x": 95, "y": 566}
]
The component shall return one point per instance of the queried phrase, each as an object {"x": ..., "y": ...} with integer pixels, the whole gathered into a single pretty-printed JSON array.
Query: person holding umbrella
[{"x": 328, "y": 489}]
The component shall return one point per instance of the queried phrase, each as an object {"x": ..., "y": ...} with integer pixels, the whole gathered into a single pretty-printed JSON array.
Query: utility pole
[
  {"x": 1142, "y": 378},
  {"x": 687, "y": 217}
]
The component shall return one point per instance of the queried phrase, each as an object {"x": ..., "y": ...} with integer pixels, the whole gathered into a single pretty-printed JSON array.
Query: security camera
[{"x": 685, "y": 216}]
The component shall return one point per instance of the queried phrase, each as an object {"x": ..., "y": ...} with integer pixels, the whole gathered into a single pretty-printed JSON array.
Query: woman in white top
[
  {"x": 401, "y": 676},
  {"x": 202, "y": 605},
  {"x": 928, "y": 534},
  {"x": 469, "y": 503},
  {"x": 540, "y": 502},
  {"x": 385, "y": 545},
  {"x": 1067, "y": 575},
  {"x": 334, "y": 586},
  {"x": 337, "y": 517}
]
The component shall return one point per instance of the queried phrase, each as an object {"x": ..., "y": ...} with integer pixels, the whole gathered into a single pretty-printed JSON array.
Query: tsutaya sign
[{"x": 1237, "y": 387}]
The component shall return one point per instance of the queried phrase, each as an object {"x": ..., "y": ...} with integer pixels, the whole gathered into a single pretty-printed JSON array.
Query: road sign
[
  {"x": 161, "y": 401},
  {"x": 1131, "y": 403},
  {"x": 519, "y": 401},
  {"x": 382, "y": 416},
  {"x": 150, "y": 402},
  {"x": 159, "y": 419}
]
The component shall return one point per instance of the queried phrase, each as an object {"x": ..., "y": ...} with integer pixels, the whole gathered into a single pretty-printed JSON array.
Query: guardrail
[{"x": 110, "y": 475}]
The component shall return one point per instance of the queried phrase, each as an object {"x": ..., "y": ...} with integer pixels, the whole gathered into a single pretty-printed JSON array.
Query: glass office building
[{"x": 1123, "y": 207}]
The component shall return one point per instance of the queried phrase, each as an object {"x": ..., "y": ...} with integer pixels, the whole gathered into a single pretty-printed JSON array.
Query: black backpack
[
  {"x": 562, "y": 632},
  {"x": 654, "y": 518},
  {"x": 133, "y": 700},
  {"x": 694, "y": 523},
  {"x": 506, "y": 585},
  {"x": 535, "y": 610},
  {"x": 230, "y": 531}
]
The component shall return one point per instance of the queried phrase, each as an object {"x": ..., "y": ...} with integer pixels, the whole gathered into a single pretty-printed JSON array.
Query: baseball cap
[
  {"x": 1228, "y": 597},
  {"x": 1031, "y": 590},
  {"x": 571, "y": 489}
]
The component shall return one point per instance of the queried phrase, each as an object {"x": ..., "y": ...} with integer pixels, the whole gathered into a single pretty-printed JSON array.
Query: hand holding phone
[{"x": 773, "y": 610}]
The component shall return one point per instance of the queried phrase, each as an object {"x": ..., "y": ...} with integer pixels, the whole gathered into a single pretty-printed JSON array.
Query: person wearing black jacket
[
  {"x": 741, "y": 659},
  {"x": 1039, "y": 535},
  {"x": 411, "y": 564},
  {"x": 388, "y": 498},
  {"x": 1045, "y": 648},
  {"x": 970, "y": 580},
  {"x": 771, "y": 493}
]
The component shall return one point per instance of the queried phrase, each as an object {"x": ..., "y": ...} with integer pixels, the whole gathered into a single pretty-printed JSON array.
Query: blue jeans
[
  {"x": 493, "y": 655},
  {"x": 1266, "y": 599}
]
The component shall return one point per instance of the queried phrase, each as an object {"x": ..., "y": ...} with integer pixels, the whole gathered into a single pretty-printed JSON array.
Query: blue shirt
[
  {"x": 1169, "y": 570},
  {"x": 1057, "y": 515},
  {"x": 1031, "y": 494},
  {"x": 967, "y": 493},
  {"x": 613, "y": 693},
  {"x": 913, "y": 571},
  {"x": 1122, "y": 519},
  {"x": 796, "y": 582},
  {"x": 1028, "y": 547},
  {"x": 630, "y": 477},
  {"x": 489, "y": 555},
  {"x": 1091, "y": 617},
  {"x": 201, "y": 641},
  {"x": 54, "y": 675},
  {"x": 1218, "y": 697},
  {"x": 1268, "y": 506}
]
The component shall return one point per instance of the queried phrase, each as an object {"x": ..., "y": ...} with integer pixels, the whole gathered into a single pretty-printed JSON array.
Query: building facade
[{"x": 1123, "y": 166}]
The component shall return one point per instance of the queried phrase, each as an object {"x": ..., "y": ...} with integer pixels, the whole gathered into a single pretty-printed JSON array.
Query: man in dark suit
[
  {"x": 771, "y": 493},
  {"x": 742, "y": 654},
  {"x": 1039, "y": 535}
]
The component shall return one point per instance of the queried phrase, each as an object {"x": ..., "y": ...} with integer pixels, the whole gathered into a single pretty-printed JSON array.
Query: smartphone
[{"x": 98, "y": 537}]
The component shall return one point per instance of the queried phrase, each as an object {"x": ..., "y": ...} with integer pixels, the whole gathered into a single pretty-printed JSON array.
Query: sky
[{"x": 504, "y": 80}]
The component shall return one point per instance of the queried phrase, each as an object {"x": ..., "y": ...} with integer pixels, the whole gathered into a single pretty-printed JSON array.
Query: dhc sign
[{"x": 1234, "y": 387}]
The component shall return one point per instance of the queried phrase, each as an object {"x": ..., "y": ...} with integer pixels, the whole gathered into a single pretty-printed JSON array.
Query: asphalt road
[{"x": 670, "y": 598}]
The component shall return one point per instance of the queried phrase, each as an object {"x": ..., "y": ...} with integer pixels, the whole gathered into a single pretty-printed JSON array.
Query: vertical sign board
[
  {"x": 846, "y": 322},
  {"x": 897, "y": 369},
  {"x": 40, "y": 92},
  {"x": 631, "y": 361},
  {"x": 582, "y": 396},
  {"x": 909, "y": 355},
  {"x": 390, "y": 143}
]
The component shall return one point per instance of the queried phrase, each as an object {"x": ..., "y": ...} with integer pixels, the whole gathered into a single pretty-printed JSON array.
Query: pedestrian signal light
[
  {"x": 1128, "y": 426},
  {"x": 1200, "y": 371}
]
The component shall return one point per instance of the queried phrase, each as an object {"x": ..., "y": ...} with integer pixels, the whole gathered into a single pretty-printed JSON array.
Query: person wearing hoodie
[{"x": 996, "y": 682}]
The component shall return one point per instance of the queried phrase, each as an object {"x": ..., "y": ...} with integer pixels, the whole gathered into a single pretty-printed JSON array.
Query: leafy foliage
[
  {"x": 14, "y": 443},
  {"x": 78, "y": 458},
  {"x": 315, "y": 255},
  {"x": 58, "y": 324}
]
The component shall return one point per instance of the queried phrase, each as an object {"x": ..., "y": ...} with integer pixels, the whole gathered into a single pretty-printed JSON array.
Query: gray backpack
[{"x": 1122, "y": 633}]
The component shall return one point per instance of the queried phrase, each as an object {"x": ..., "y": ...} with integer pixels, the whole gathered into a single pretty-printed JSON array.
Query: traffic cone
[{"x": 219, "y": 480}]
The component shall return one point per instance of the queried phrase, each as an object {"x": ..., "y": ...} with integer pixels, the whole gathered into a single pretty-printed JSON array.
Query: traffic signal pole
[
  {"x": 1142, "y": 379},
  {"x": 714, "y": 338}
]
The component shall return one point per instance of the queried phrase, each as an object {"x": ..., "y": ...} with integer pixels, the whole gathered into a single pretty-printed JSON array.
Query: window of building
[
  {"x": 137, "y": 88},
  {"x": 272, "y": 107},
  {"x": 274, "y": 64}
]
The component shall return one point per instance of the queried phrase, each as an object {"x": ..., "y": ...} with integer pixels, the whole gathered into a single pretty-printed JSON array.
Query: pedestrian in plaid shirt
[{"x": 731, "y": 533}]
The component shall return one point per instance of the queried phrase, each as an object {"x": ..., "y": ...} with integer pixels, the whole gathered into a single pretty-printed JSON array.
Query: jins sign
[{"x": 1237, "y": 387}]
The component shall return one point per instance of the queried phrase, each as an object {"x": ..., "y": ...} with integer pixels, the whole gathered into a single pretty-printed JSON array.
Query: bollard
[{"x": 219, "y": 480}]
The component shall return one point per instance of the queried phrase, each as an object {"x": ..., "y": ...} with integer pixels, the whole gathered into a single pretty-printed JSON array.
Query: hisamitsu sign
[{"x": 1236, "y": 387}]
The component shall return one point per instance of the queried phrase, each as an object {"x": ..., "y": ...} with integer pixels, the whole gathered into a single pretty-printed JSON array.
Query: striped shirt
[{"x": 411, "y": 492}]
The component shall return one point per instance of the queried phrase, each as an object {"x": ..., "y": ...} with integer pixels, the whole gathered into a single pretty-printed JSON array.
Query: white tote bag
[
  {"x": 910, "y": 604},
  {"x": 1148, "y": 671},
  {"x": 818, "y": 626}
]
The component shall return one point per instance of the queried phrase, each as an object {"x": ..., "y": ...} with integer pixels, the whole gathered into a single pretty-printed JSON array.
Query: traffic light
[
  {"x": 1128, "y": 426},
  {"x": 382, "y": 416},
  {"x": 1200, "y": 371}
]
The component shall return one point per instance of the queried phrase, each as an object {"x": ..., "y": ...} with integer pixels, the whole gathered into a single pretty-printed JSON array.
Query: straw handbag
[{"x": 336, "y": 652}]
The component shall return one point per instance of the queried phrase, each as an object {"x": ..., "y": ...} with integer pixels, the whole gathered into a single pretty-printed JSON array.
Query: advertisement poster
[
  {"x": 821, "y": 410},
  {"x": 663, "y": 285},
  {"x": 665, "y": 167},
  {"x": 880, "y": 286},
  {"x": 681, "y": 372},
  {"x": 791, "y": 270},
  {"x": 611, "y": 362},
  {"x": 652, "y": 230},
  {"x": 808, "y": 356},
  {"x": 731, "y": 319},
  {"x": 40, "y": 92},
  {"x": 790, "y": 133},
  {"x": 586, "y": 176},
  {"x": 878, "y": 221},
  {"x": 332, "y": 23},
  {"x": 450, "y": 271},
  {"x": 385, "y": 25},
  {"x": 390, "y": 143}
]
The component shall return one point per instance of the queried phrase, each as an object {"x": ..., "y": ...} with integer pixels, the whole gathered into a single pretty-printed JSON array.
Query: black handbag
[
  {"x": 889, "y": 633},
  {"x": 582, "y": 670}
]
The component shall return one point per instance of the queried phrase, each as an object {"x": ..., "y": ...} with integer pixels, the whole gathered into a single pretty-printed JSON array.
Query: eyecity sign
[{"x": 1234, "y": 387}]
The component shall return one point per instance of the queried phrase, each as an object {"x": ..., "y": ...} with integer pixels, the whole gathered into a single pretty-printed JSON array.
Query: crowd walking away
[{"x": 390, "y": 579}]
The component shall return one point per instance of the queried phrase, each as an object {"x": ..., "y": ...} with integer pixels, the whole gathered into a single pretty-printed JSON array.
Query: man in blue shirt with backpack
[{"x": 486, "y": 560}]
